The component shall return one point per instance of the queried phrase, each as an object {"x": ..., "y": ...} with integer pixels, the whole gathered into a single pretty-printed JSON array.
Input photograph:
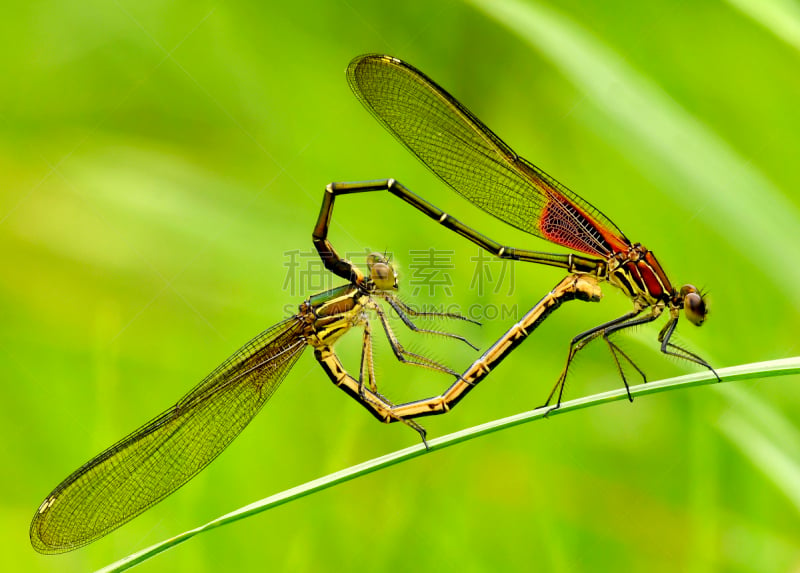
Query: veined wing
[
  {"x": 161, "y": 456},
  {"x": 475, "y": 162}
]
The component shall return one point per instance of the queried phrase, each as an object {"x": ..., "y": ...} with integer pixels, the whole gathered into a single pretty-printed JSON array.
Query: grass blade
[{"x": 782, "y": 367}]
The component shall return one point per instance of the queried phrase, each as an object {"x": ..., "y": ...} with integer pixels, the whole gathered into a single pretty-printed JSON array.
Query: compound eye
[
  {"x": 383, "y": 275},
  {"x": 695, "y": 308},
  {"x": 381, "y": 272}
]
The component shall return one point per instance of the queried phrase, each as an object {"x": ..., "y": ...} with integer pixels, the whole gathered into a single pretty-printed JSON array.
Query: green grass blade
[{"x": 782, "y": 367}]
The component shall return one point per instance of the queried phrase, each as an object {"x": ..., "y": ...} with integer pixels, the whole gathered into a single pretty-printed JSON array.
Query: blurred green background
[{"x": 160, "y": 161}]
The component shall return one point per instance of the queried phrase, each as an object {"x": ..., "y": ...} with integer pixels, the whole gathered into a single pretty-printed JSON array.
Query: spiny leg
[
  {"x": 367, "y": 365},
  {"x": 584, "y": 338},
  {"x": 679, "y": 352},
  {"x": 368, "y": 369},
  {"x": 575, "y": 345},
  {"x": 611, "y": 347},
  {"x": 401, "y": 312},
  {"x": 615, "y": 347},
  {"x": 615, "y": 351},
  {"x": 413, "y": 312},
  {"x": 655, "y": 313},
  {"x": 401, "y": 353}
]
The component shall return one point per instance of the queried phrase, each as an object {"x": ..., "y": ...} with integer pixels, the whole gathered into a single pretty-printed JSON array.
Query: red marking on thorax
[
  {"x": 647, "y": 275},
  {"x": 654, "y": 276},
  {"x": 650, "y": 281}
]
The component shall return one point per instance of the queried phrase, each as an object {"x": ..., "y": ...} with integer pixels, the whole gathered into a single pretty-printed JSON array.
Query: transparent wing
[
  {"x": 168, "y": 451},
  {"x": 475, "y": 162}
]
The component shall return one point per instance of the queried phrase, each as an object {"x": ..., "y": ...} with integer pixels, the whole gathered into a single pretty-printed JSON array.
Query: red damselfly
[{"x": 472, "y": 160}]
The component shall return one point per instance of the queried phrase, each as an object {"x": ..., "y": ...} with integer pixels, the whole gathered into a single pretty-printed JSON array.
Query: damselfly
[
  {"x": 161, "y": 456},
  {"x": 479, "y": 166}
]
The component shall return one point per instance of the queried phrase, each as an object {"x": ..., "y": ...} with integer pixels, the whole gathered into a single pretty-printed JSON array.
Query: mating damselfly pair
[{"x": 161, "y": 456}]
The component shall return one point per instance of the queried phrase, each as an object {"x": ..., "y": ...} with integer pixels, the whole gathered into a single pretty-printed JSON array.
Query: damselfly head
[
  {"x": 694, "y": 304},
  {"x": 381, "y": 272}
]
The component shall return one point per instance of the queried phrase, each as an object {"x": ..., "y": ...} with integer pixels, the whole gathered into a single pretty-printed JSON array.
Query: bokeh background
[{"x": 162, "y": 165}]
